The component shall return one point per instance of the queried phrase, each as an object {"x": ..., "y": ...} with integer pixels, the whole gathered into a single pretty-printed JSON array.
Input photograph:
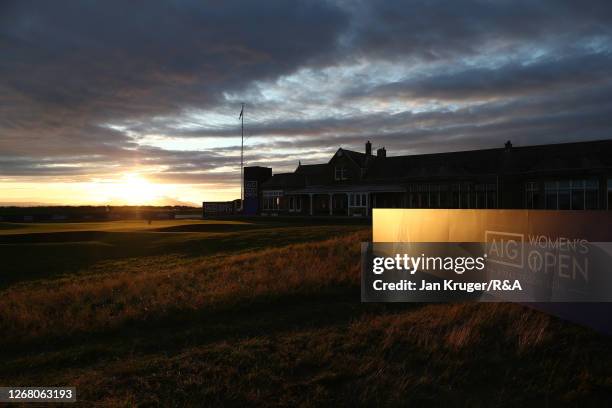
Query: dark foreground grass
[
  {"x": 38, "y": 254},
  {"x": 259, "y": 320}
]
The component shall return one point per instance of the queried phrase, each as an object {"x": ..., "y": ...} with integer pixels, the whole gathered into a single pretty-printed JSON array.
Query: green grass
[{"x": 265, "y": 313}]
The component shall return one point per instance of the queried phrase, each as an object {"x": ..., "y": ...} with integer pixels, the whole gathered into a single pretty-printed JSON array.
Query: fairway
[
  {"x": 261, "y": 313},
  {"x": 7, "y": 228},
  {"x": 52, "y": 250}
]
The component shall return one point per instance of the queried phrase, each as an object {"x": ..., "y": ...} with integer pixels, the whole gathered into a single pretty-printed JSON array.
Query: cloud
[
  {"x": 438, "y": 29},
  {"x": 72, "y": 66},
  {"x": 93, "y": 89},
  {"x": 512, "y": 79}
]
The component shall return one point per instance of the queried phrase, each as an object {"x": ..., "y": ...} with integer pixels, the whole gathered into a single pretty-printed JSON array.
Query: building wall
[
  {"x": 254, "y": 177},
  {"x": 564, "y": 191}
]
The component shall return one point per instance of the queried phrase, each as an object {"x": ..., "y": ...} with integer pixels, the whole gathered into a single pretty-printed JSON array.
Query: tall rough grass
[{"x": 101, "y": 302}]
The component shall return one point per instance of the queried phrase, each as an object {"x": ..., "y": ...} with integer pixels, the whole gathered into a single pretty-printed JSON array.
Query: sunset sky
[{"x": 132, "y": 102}]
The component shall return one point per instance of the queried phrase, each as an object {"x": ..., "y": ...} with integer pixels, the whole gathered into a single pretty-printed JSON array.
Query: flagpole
[{"x": 242, "y": 158}]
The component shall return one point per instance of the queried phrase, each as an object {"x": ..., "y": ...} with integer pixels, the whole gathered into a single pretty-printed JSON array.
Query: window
[
  {"x": 423, "y": 196},
  {"x": 491, "y": 195},
  {"x": 434, "y": 196},
  {"x": 532, "y": 194},
  {"x": 481, "y": 195},
  {"x": 295, "y": 203},
  {"x": 445, "y": 196},
  {"x": 415, "y": 197},
  {"x": 455, "y": 196},
  {"x": 358, "y": 199},
  {"x": 271, "y": 200},
  {"x": 271, "y": 203},
  {"x": 550, "y": 195},
  {"x": 466, "y": 189},
  {"x": 591, "y": 195},
  {"x": 564, "y": 190},
  {"x": 340, "y": 173},
  {"x": 576, "y": 194}
]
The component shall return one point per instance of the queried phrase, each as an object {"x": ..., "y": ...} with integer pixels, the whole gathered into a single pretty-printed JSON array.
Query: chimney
[
  {"x": 508, "y": 145},
  {"x": 368, "y": 148},
  {"x": 381, "y": 153}
]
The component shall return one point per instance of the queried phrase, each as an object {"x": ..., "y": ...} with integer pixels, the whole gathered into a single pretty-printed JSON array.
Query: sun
[{"x": 134, "y": 189}]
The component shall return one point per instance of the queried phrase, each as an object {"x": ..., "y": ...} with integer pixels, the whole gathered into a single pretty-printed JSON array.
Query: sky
[{"x": 137, "y": 102}]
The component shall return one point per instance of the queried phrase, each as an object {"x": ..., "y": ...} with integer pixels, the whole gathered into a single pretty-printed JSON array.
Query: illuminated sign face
[
  {"x": 425, "y": 225},
  {"x": 538, "y": 257},
  {"x": 250, "y": 189}
]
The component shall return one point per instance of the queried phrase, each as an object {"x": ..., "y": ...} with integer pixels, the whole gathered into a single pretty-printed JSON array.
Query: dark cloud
[
  {"x": 72, "y": 65},
  {"x": 129, "y": 55},
  {"x": 516, "y": 78},
  {"x": 439, "y": 29},
  {"x": 561, "y": 116}
]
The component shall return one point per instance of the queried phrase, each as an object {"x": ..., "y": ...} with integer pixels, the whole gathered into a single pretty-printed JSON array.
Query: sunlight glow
[{"x": 134, "y": 189}]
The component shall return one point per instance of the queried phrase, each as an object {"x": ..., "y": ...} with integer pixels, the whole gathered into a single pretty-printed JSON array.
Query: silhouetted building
[
  {"x": 568, "y": 176},
  {"x": 254, "y": 177},
  {"x": 220, "y": 208}
]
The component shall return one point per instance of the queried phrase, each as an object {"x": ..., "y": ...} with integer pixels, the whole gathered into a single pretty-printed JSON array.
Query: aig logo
[
  {"x": 505, "y": 248},
  {"x": 250, "y": 189}
]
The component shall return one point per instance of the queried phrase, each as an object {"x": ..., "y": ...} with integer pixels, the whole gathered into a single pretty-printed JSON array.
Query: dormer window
[{"x": 340, "y": 173}]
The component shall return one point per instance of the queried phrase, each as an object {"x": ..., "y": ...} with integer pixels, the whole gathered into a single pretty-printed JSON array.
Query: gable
[{"x": 344, "y": 166}]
